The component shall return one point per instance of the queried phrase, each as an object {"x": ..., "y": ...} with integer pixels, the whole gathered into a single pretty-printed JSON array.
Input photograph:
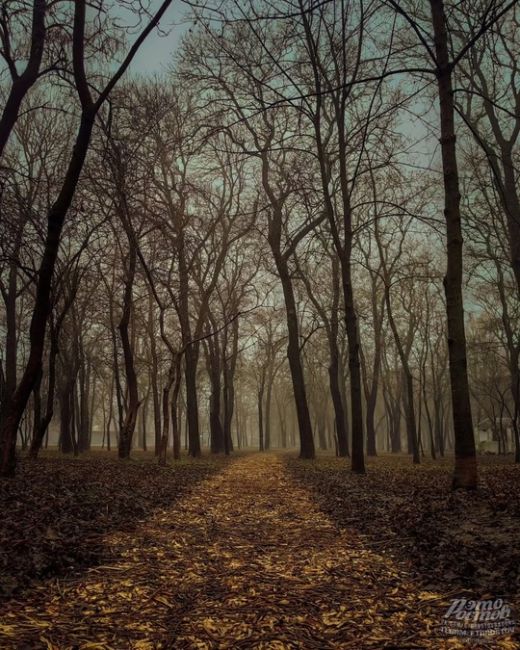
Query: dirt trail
[{"x": 245, "y": 561}]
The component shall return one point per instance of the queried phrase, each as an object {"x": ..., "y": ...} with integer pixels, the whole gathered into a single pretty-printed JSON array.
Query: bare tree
[{"x": 56, "y": 217}]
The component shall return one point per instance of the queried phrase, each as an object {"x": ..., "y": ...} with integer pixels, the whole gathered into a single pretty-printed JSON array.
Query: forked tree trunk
[
  {"x": 23, "y": 82},
  {"x": 342, "y": 241},
  {"x": 293, "y": 347},
  {"x": 411, "y": 423}
]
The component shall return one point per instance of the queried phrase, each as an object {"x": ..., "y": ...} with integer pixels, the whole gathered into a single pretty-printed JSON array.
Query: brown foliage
[
  {"x": 246, "y": 559},
  {"x": 57, "y": 511},
  {"x": 448, "y": 540}
]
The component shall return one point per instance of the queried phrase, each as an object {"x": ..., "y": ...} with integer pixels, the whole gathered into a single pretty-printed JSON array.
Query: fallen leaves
[
  {"x": 448, "y": 541},
  {"x": 234, "y": 556},
  {"x": 56, "y": 511}
]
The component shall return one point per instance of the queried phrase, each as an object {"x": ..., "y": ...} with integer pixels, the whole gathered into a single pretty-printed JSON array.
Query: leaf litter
[{"x": 218, "y": 555}]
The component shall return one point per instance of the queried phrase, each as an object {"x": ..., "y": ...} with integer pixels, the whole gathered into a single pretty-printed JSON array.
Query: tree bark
[
  {"x": 175, "y": 414},
  {"x": 260, "y": 409},
  {"x": 465, "y": 471},
  {"x": 127, "y": 430},
  {"x": 214, "y": 362},
  {"x": 191, "y": 354},
  {"x": 295, "y": 363},
  {"x": 229, "y": 387},
  {"x": 43, "y": 424},
  {"x": 337, "y": 401}
]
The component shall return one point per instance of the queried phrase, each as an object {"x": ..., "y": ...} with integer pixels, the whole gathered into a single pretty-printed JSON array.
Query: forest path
[{"x": 246, "y": 560}]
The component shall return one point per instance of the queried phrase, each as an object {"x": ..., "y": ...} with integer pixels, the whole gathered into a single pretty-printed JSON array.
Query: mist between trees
[{"x": 305, "y": 234}]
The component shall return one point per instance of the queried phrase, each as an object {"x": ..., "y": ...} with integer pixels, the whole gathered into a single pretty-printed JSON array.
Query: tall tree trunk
[
  {"x": 229, "y": 366},
  {"x": 163, "y": 447},
  {"x": 191, "y": 354},
  {"x": 295, "y": 362},
  {"x": 43, "y": 424},
  {"x": 465, "y": 471},
  {"x": 358, "y": 457},
  {"x": 268, "y": 402},
  {"x": 342, "y": 242},
  {"x": 11, "y": 338},
  {"x": 175, "y": 411},
  {"x": 371, "y": 396},
  {"x": 37, "y": 408},
  {"x": 83, "y": 419},
  {"x": 428, "y": 414},
  {"x": 144, "y": 415},
  {"x": 283, "y": 425},
  {"x": 154, "y": 373},
  {"x": 260, "y": 409},
  {"x": 217, "y": 442},
  {"x": 439, "y": 425},
  {"x": 192, "y": 407},
  {"x": 344, "y": 392},
  {"x": 370, "y": 420},
  {"x": 128, "y": 428},
  {"x": 511, "y": 202},
  {"x": 110, "y": 414},
  {"x": 229, "y": 408},
  {"x": 293, "y": 347},
  {"x": 337, "y": 402},
  {"x": 67, "y": 436}
]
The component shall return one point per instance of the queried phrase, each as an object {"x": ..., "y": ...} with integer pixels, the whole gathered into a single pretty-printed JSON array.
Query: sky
[
  {"x": 156, "y": 56},
  {"x": 157, "y": 51}
]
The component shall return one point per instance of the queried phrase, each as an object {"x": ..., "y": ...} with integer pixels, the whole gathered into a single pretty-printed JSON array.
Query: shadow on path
[
  {"x": 459, "y": 542},
  {"x": 246, "y": 560},
  {"x": 57, "y": 511}
]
